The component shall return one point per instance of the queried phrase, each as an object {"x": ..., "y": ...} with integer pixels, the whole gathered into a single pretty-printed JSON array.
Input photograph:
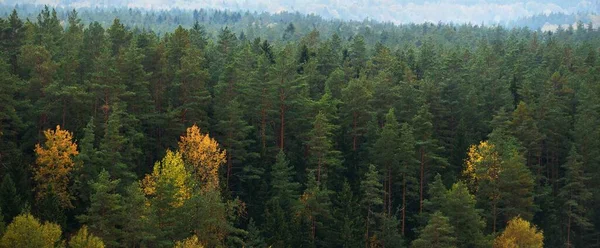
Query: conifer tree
[
  {"x": 575, "y": 194},
  {"x": 10, "y": 200},
  {"x": 437, "y": 234},
  {"x": 407, "y": 169},
  {"x": 385, "y": 154},
  {"x": 314, "y": 208},
  {"x": 138, "y": 229},
  {"x": 104, "y": 217},
  {"x": 347, "y": 224},
  {"x": 371, "y": 201},
  {"x": 355, "y": 110},
  {"x": 323, "y": 156},
  {"x": 428, "y": 149}
]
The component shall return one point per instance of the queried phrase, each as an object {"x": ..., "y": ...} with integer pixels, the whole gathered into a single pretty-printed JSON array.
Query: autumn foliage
[
  {"x": 172, "y": 169},
  {"x": 202, "y": 156},
  {"x": 54, "y": 160},
  {"x": 520, "y": 233}
]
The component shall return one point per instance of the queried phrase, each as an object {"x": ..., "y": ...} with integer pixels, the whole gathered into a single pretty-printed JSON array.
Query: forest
[{"x": 290, "y": 130}]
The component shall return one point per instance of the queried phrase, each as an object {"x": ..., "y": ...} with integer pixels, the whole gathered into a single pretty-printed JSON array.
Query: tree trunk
[
  {"x": 403, "y": 202},
  {"x": 569, "y": 233},
  {"x": 494, "y": 216},
  {"x": 389, "y": 190},
  {"x": 368, "y": 223},
  {"x": 354, "y": 116},
  {"x": 422, "y": 180}
]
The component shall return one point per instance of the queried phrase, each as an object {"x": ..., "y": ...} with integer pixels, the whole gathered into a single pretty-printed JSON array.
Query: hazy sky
[{"x": 397, "y": 11}]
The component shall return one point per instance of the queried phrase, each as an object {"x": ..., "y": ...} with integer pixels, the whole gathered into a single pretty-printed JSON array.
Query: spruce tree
[
  {"x": 386, "y": 154},
  {"x": 323, "y": 156},
  {"x": 104, "y": 217},
  {"x": 10, "y": 200},
  {"x": 371, "y": 189},
  {"x": 575, "y": 196},
  {"x": 437, "y": 234}
]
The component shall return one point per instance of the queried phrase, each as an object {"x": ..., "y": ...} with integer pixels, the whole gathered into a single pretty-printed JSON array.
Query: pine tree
[
  {"x": 10, "y": 200},
  {"x": 115, "y": 148},
  {"x": 138, "y": 228},
  {"x": 575, "y": 194},
  {"x": 408, "y": 164},
  {"x": 12, "y": 40},
  {"x": 255, "y": 238},
  {"x": 192, "y": 94},
  {"x": 314, "y": 208},
  {"x": 118, "y": 36},
  {"x": 386, "y": 154},
  {"x": 428, "y": 149},
  {"x": 388, "y": 234},
  {"x": 371, "y": 189},
  {"x": 234, "y": 131},
  {"x": 355, "y": 110},
  {"x": 283, "y": 187},
  {"x": 104, "y": 217},
  {"x": 287, "y": 89},
  {"x": 323, "y": 156},
  {"x": 346, "y": 226},
  {"x": 283, "y": 197},
  {"x": 459, "y": 207},
  {"x": 437, "y": 234}
]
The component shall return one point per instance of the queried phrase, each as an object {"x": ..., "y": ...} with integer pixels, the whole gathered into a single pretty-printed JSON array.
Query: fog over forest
[{"x": 396, "y": 11}]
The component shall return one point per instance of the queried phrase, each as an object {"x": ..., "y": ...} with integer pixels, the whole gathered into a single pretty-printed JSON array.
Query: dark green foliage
[
  {"x": 575, "y": 196},
  {"x": 104, "y": 217},
  {"x": 334, "y": 130},
  {"x": 437, "y": 234},
  {"x": 371, "y": 201},
  {"x": 10, "y": 200}
]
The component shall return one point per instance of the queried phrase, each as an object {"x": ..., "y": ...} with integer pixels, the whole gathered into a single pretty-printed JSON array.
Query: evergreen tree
[
  {"x": 371, "y": 189},
  {"x": 437, "y": 233},
  {"x": 314, "y": 208},
  {"x": 138, "y": 228},
  {"x": 575, "y": 195},
  {"x": 408, "y": 164},
  {"x": 347, "y": 223},
  {"x": 385, "y": 154},
  {"x": 355, "y": 110},
  {"x": 104, "y": 217},
  {"x": 283, "y": 200},
  {"x": 388, "y": 233},
  {"x": 459, "y": 207},
  {"x": 323, "y": 156},
  {"x": 10, "y": 200},
  {"x": 428, "y": 149}
]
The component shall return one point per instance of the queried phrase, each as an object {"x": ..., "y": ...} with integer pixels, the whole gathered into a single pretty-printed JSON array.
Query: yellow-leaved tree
[
  {"x": 84, "y": 239},
  {"x": 203, "y": 157},
  {"x": 54, "y": 160},
  {"x": 520, "y": 233},
  {"x": 483, "y": 163},
  {"x": 27, "y": 232},
  {"x": 172, "y": 169},
  {"x": 191, "y": 242}
]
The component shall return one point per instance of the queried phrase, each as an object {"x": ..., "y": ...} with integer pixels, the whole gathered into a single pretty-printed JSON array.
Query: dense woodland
[{"x": 417, "y": 135}]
